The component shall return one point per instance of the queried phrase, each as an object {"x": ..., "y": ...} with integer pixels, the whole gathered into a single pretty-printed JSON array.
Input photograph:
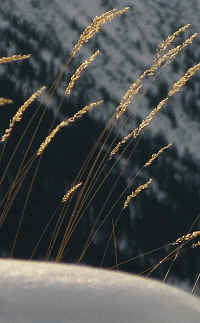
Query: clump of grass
[
  {"x": 82, "y": 188},
  {"x": 176, "y": 87},
  {"x": 157, "y": 63}
]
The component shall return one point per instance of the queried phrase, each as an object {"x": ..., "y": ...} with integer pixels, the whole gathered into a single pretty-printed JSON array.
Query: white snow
[{"x": 39, "y": 292}]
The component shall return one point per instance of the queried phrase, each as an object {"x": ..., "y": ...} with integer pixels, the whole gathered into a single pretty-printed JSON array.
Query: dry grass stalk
[
  {"x": 169, "y": 40},
  {"x": 137, "y": 131},
  {"x": 182, "y": 81},
  {"x": 132, "y": 91},
  {"x": 197, "y": 244},
  {"x": 94, "y": 27},
  {"x": 154, "y": 156},
  {"x": 13, "y": 58},
  {"x": 126, "y": 100},
  {"x": 149, "y": 118},
  {"x": 77, "y": 74},
  {"x": 69, "y": 193},
  {"x": 65, "y": 123},
  {"x": 135, "y": 87},
  {"x": 18, "y": 116},
  {"x": 170, "y": 55},
  {"x": 186, "y": 238},
  {"x": 176, "y": 87},
  {"x": 136, "y": 192},
  {"x": 4, "y": 101},
  {"x": 180, "y": 47}
]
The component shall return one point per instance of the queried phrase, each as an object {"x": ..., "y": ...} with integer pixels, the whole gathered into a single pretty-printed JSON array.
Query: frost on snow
[{"x": 42, "y": 292}]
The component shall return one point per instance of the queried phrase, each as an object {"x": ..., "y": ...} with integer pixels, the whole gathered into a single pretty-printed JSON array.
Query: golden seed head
[
  {"x": 127, "y": 99},
  {"x": 169, "y": 40},
  {"x": 65, "y": 123},
  {"x": 186, "y": 237},
  {"x": 197, "y": 244},
  {"x": 154, "y": 156},
  {"x": 4, "y": 101},
  {"x": 94, "y": 27},
  {"x": 77, "y": 74},
  {"x": 137, "y": 131},
  {"x": 136, "y": 192},
  {"x": 69, "y": 193},
  {"x": 18, "y": 116},
  {"x": 13, "y": 58},
  {"x": 183, "y": 80}
]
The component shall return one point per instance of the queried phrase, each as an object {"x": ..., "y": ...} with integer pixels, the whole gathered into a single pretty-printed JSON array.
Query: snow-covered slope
[{"x": 37, "y": 292}]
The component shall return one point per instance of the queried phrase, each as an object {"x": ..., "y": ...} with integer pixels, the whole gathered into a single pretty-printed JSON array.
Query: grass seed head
[
  {"x": 4, "y": 101},
  {"x": 170, "y": 55},
  {"x": 78, "y": 72},
  {"x": 13, "y": 58},
  {"x": 18, "y": 116},
  {"x": 136, "y": 192},
  {"x": 186, "y": 237},
  {"x": 65, "y": 123},
  {"x": 163, "y": 46},
  {"x": 154, "y": 156},
  {"x": 70, "y": 192},
  {"x": 95, "y": 26}
]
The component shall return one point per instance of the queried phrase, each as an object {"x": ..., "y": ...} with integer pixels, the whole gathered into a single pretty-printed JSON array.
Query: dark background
[{"x": 169, "y": 206}]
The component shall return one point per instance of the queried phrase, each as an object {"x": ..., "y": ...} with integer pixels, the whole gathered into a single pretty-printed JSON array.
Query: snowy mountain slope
[
  {"x": 127, "y": 45},
  {"x": 136, "y": 43},
  {"x": 35, "y": 292}
]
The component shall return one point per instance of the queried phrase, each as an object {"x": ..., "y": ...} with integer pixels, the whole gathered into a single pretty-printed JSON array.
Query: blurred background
[{"x": 160, "y": 214}]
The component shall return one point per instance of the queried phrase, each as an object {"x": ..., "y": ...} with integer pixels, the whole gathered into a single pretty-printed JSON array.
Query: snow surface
[{"x": 39, "y": 292}]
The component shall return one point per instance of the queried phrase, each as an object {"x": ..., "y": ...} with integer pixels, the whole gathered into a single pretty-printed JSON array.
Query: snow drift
[{"x": 39, "y": 292}]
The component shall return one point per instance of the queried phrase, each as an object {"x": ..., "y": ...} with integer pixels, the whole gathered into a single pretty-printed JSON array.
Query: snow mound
[{"x": 41, "y": 292}]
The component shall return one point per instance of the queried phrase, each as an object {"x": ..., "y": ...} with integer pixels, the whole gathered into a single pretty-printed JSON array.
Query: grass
[{"x": 104, "y": 156}]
